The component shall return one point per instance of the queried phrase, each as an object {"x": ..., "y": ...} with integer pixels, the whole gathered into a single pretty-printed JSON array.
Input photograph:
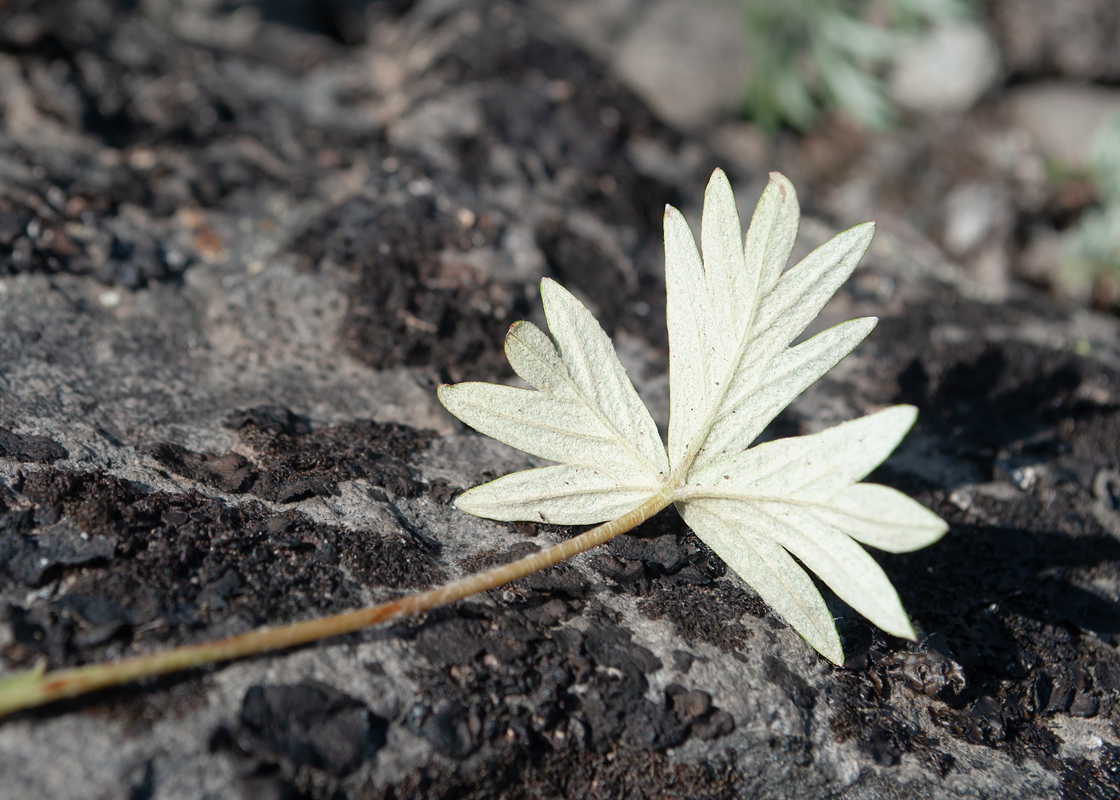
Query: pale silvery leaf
[
  {"x": 769, "y": 570},
  {"x": 801, "y": 493},
  {"x": 731, "y": 373},
  {"x": 732, "y": 312},
  {"x": 586, "y": 415}
]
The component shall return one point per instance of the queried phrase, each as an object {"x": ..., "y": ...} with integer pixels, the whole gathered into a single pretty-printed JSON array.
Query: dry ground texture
[{"x": 239, "y": 251}]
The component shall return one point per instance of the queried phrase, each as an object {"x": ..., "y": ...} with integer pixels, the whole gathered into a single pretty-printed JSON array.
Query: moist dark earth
[{"x": 239, "y": 251}]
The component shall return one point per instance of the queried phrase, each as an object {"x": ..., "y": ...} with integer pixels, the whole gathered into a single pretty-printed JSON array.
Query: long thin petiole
[{"x": 26, "y": 690}]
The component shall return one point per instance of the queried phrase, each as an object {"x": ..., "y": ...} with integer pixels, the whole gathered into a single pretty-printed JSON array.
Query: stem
[{"x": 26, "y": 690}]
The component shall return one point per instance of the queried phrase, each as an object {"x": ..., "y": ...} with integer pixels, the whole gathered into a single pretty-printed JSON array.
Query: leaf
[
  {"x": 733, "y": 312},
  {"x": 771, "y": 571},
  {"x": 586, "y": 414}
]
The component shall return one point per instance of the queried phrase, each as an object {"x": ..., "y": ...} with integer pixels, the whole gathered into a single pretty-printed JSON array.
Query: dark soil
[
  {"x": 25, "y": 448},
  {"x": 146, "y": 570},
  {"x": 545, "y": 104},
  {"x": 302, "y": 725},
  {"x": 291, "y": 463},
  {"x": 404, "y": 311},
  {"x": 184, "y": 135}
]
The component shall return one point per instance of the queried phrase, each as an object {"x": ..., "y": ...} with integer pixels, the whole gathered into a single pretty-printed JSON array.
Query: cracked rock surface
[{"x": 237, "y": 256}]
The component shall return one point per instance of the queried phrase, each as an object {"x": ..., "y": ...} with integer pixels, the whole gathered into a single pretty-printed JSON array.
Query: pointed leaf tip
[
  {"x": 718, "y": 177},
  {"x": 782, "y": 184}
]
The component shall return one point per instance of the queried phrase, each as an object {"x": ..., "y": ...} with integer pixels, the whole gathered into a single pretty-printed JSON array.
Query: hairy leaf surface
[{"x": 733, "y": 311}]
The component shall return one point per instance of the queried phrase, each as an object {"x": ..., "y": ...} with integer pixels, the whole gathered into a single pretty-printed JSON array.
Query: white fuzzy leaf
[
  {"x": 808, "y": 468},
  {"x": 560, "y": 495},
  {"x": 841, "y": 563},
  {"x": 802, "y": 493},
  {"x": 756, "y": 402},
  {"x": 780, "y": 316},
  {"x": 597, "y": 376},
  {"x": 772, "y": 232},
  {"x": 732, "y": 313},
  {"x": 882, "y": 517},
  {"x": 770, "y": 571},
  {"x": 585, "y": 415}
]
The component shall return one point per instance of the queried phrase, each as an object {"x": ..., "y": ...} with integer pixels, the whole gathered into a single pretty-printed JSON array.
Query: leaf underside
[{"x": 733, "y": 311}]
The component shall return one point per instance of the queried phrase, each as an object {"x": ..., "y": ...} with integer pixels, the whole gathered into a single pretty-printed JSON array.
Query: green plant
[
  {"x": 808, "y": 56},
  {"x": 732, "y": 315},
  {"x": 1092, "y": 246}
]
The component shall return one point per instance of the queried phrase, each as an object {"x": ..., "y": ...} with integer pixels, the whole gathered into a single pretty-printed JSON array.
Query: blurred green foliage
[
  {"x": 1092, "y": 246},
  {"x": 813, "y": 56}
]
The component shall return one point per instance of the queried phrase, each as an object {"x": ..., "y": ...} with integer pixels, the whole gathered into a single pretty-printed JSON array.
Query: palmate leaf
[{"x": 733, "y": 312}]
